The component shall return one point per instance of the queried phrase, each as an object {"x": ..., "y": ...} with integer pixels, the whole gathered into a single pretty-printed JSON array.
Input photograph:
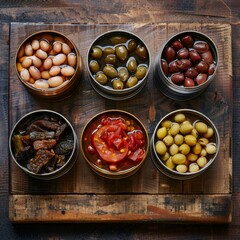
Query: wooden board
[{"x": 83, "y": 196}]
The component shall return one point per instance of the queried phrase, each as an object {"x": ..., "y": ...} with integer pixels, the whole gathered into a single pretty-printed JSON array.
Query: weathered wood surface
[
  {"x": 216, "y": 103},
  {"x": 95, "y": 12}
]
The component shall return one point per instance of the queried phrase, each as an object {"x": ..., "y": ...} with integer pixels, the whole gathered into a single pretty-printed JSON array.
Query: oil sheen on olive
[
  {"x": 110, "y": 71},
  {"x": 96, "y": 52},
  {"x": 111, "y": 59},
  {"x": 117, "y": 84},
  {"x": 132, "y": 64},
  {"x": 101, "y": 78},
  {"x": 123, "y": 74},
  {"x": 94, "y": 66},
  {"x": 122, "y": 52},
  {"x": 132, "y": 81},
  {"x": 141, "y": 72}
]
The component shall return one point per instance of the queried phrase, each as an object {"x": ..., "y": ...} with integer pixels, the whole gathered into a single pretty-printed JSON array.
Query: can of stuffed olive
[{"x": 118, "y": 64}]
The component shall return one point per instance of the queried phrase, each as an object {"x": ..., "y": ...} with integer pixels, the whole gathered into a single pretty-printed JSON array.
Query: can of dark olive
[
  {"x": 118, "y": 64},
  {"x": 180, "y": 71},
  {"x": 43, "y": 144}
]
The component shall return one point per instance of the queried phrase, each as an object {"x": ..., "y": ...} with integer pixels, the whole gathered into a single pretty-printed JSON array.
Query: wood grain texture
[
  {"x": 85, "y": 103},
  {"x": 92, "y": 11}
]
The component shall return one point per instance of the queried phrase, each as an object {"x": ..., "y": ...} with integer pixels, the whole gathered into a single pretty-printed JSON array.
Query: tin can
[
  {"x": 112, "y": 46},
  {"x": 160, "y": 161},
  {"x": 102, "y": 165},
  {"x": 175, "y": 91},
  {"x": 22, "y": 151},
  {"x": 57, "y": 46}
]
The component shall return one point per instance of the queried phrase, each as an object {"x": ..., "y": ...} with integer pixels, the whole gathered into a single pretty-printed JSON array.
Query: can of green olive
[
  {"x": 118, "y": 64},
  {"x": 114, "y": 144},
  {"x": 49, "y": 65},
  {"x": 186, "y": 64},
  {"x": 43, "y": 144},
  {"x": 174, "y": 154}
]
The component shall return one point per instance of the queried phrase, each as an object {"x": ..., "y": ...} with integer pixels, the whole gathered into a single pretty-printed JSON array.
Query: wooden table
[{"x": 145, "y": 204}]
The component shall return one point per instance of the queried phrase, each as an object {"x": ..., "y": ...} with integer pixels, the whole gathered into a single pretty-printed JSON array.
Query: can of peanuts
[{"x": 49, "y": 65}]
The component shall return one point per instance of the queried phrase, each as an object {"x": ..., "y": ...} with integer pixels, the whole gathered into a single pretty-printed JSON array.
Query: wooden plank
[
  {"x": 148, "y": 184},
  {"x": 121, "y": 208}
]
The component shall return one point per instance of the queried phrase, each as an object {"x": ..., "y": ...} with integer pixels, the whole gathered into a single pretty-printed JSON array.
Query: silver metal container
[
  {"x": 176, "y": 92},
  {"x": 158, "y": 159},
  {"x": 104, "y": 41},
  {"x": 93, "y": 161},
  {"x": 20, "y": 128},
  {"x": 70, "y": 82}
]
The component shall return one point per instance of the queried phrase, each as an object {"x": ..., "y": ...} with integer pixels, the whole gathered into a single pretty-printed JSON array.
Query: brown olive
[
  {"x": 201, "y": 46},
  {"x": 110, "y": 71},
  {"x": 109, "y": 50},
  {"x": 183, "y": 64},
  {"x": 177, "y": 78},
  {"x": 191, "y": 72},
  {"x": 187, "y": 41},
  {"x": 201, "y": 78},
  {"x": 123, "y": 74},
  {"x": 101, "y": 78},
  {"x": 132, "y": 81},
  {"x": 207, "y": 57},
  {"x": 182, "y": 53},
  {"x": 96, "y": 52},
  {"x": 164, "y": 65},
  {"x": 202, "y": 67},
  {"x": 111, "y": 59},
  {"x": 117, "y": 84},
  {"x": 194, "y": 56},
  {"x": 94, "y": 66},
  {"x": 118, "y": 39},
  {"x": 211, "y": 69},
  {"x": 132, "y": 64},
  {"x": 141, "y": 72},
  {"x": 173, "y": 67},
  {"x": 131, "y": 45},
  {"x": 169, "y": 54},
  {"x": 188, "y": 82},
  {"x": 177, "y": 45},
  {"x": 121, "y": 52},
  {"x": 141, "y": 51}
]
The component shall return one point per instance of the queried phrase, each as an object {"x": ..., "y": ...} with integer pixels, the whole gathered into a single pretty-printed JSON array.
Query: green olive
[
  {"x": 111, "y": 59},
  {"x": 179, "y": 158},
  {"x": 101, "y": 78},
  {"x": 117, "y": 84},
  {"x": 201, "y": 127},
  {"x": 161, "y": 133},
  {"x": 109, "y": 50},
  {"x": 160, "y": 147},
  {"x": 110, "y": 71},
  {"x": 179, "y": 117},
  {"x": 184, "y": 149},
  {"x": 96, "y": 52},
  {"x": 131, "y": 45},
  {"x": 123, "y": 73},
  {"x": 121, "y": 52},
  {"x": 132, "y": 81},
  {"x": 190, "y": 140},
  {"x": 141, "y": 51},
  {"x": 118, "y": 39},
  {"x": 186, "y": 128},
  {"x": 132, "y": 64},
  {"x": 94, "y": 66},
  {"x": 141, "y": 72}
]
